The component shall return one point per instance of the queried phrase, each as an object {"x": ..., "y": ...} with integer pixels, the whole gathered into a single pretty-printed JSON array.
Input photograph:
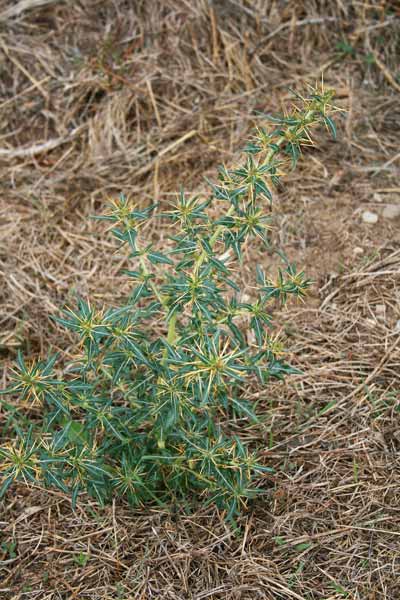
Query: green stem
[
  {"x": 171, "y": 335},
  {"x": 160, "y": 298}
]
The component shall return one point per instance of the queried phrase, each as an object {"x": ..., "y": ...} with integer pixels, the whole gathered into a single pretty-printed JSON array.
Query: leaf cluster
[{"x": 144, "y": 410}]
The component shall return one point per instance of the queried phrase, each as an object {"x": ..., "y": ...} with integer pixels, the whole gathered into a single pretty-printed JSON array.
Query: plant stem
[
  {"x": 171, "y": 336},
  {"x": 160, "y": 298}
]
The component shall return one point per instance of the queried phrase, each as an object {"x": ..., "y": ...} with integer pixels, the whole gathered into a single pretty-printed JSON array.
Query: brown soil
[{"x": 140, "y": 97}]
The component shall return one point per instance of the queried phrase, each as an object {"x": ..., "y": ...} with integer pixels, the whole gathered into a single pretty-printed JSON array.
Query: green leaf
[
  {"x": 74, "y": 498},
  {"x": 76, "y": 432},
  {"x": 245, "y": 408},
  {"x": 280, "y": 541},
  {"x": 261, "y": 188},
  {"x": 331, "y": 126},
  {"x": 131, "y": 238},
  {"x": 5, "y": 485},
  {"x": 302, "y": 547},
  {"x": 156, "y": 257}
]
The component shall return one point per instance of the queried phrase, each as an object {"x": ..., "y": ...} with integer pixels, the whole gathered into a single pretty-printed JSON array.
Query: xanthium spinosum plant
[{"x": 144, "y": 411}]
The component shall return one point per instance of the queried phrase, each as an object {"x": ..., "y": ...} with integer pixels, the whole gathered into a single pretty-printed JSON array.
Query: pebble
[
  {"x": 370, "y": 322},
  {"x": 397, "y": 327},
  {"x": 369, "y": 217},
  {"x": 391, "y": 211},
  {"x": 357, "y": 250}
]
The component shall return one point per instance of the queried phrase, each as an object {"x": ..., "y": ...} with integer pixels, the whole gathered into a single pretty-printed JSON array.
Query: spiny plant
[{"x": 145, "y": 409}]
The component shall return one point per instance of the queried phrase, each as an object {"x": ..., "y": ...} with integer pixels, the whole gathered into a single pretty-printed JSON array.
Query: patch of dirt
[{"x": 102, "y": 97}]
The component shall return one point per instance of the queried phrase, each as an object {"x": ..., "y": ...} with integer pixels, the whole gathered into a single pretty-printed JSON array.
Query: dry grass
[{"x": 99, "y": 97}]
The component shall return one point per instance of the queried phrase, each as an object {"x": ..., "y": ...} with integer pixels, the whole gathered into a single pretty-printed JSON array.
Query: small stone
[
  {"x": 391, "y": 211},
  {"x": 377, "y": 197},
  {"x": 380, "y": 309},
  {"x": 370, "y": 322},
  {"x": 397, "y": 327},
  {"x": 369, "y": 217},
  {"x": 357, "y": 250}
]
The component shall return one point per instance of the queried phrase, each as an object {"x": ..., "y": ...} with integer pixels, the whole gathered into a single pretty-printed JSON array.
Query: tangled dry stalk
[{"x": 99, "y": 97}]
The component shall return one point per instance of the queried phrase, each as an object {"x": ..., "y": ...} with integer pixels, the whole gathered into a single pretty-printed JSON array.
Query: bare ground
[{"x": 103, "y": 97}]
